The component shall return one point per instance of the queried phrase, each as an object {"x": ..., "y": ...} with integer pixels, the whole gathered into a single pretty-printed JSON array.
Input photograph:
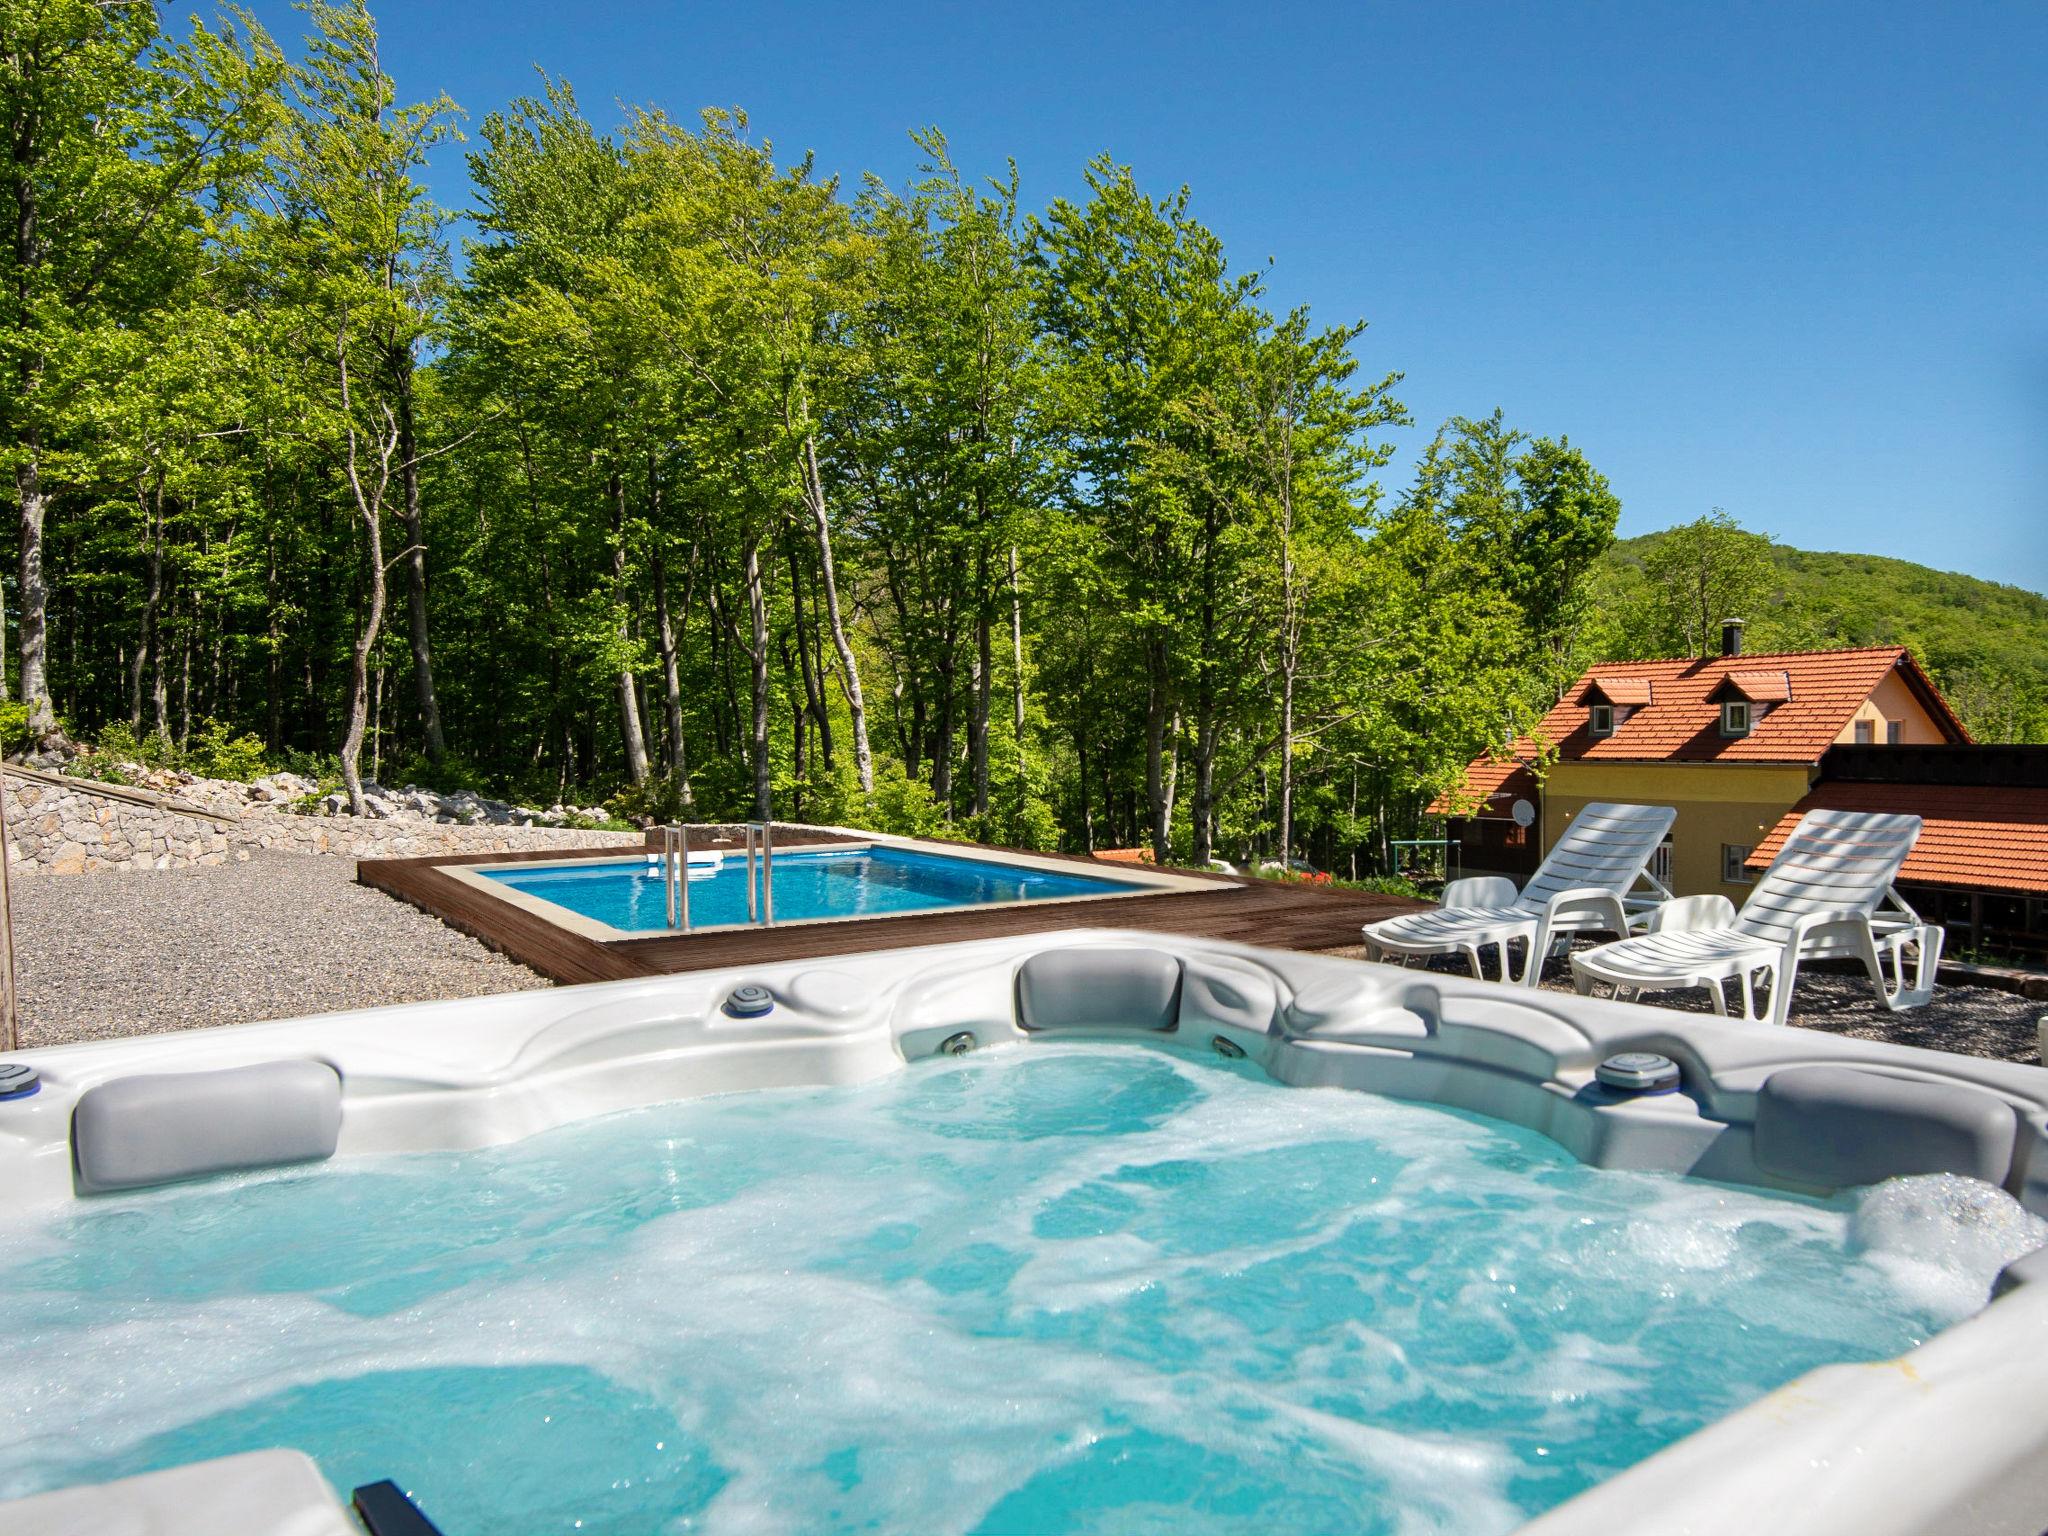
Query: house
[
  {"x": 1732, "y": 741},
  {"x": 1980, "y": 867}
]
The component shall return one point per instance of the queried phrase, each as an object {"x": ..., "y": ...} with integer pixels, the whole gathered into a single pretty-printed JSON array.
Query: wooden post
[{"x": 10, "y": 1018}]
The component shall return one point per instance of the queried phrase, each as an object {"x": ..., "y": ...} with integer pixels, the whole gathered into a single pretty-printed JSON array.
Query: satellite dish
[{"x": 1524, "y": 813}]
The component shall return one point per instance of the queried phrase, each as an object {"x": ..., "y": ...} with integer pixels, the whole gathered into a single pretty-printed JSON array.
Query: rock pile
[
  {"x": 77, "y": 826},
  {"x": 295, "y": 794}
]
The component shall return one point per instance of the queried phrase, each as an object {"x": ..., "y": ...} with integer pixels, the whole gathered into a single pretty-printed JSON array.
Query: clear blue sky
[{"x": 1787, "y": 260}]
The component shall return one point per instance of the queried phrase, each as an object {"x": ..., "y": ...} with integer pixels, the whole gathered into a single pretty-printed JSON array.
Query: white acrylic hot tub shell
[{"x": 1949, "y": 1438}]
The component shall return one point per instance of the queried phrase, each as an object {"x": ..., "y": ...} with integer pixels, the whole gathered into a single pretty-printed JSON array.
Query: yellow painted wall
[
  {"x": 1892, "y": 699},
  {"x": 1717, "y": 803}
]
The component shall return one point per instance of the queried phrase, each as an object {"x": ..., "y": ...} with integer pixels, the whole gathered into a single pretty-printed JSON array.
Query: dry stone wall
[{"x": 70, "y": 830}]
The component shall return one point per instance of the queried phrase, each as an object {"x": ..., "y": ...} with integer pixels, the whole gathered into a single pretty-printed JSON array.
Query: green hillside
[{"x": 1985, "y": 643}]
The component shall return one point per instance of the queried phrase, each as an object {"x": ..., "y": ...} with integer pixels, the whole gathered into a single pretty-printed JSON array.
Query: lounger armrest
[
  {"x": 1809, "y": 923},
  {"x": 1827, "y": 917},
  {"x": 1607, "y": 903}
]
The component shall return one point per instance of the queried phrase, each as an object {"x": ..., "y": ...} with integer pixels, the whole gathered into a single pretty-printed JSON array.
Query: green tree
[
  {"x": 1297, "y": 436},
  {"x": 351, "y": 248},
  {"x": 1532, "y": 517},
  {"x": 1139, "y": 311},
  {"x": 942, "y": 457},
  {"x": 107, "y": 137},
  {"x": 1699, "y": 574}
]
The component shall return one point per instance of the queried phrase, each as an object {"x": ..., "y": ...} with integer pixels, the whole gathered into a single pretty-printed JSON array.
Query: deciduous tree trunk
[
  {"x": 416, "y": 560},
  {"x": 1203, "y": 811},
  {"x": 849, "y": 669},
  {"x": 35, "y": 592},
  {"x": 979, "y": 697},
  {"x": 814, "y": 686},
  {"x": 34, "y": 597},
  {"x": 1017, "y": 660},
  {"x": 671, "y": 684},
  {"x": 1087, "y": 800},
  {"x": 629, "y": 698},
  {"x": 943, "y": 726},
  {"x": 757, "y": 611},
  {"x": 152, "y": 598},
  {"x": 1290, "y": 637},
  {"x": 365, "y": 641},
  {"x": 1155, "y": 746},
  {"x": 1286, "y": 761}
]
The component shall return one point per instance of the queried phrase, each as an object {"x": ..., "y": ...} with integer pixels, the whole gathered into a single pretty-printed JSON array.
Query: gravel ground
[
  {"x": 1972, "y": 1021},
  {"x": 283, "y": 934}
]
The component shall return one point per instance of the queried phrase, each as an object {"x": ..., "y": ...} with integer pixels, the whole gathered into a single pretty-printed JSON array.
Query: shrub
[
  {"x": 825, "y": 798},
  {"x": 445, "y": 777},
  {"x": 901, "y": 804},
  {"x": 1388, "y": 885},
  {"x": 724, "y": 786},
  {"x": 119, "y": 743},
  {"x": 214, "y": 754},
  {"x": 15, "y": 736},
  {"x": 1015, "y": 821},
  {"x": 660, "y": 799},
  {"x": 309, "y": 802},
  {"x": 580, "y": 823}
]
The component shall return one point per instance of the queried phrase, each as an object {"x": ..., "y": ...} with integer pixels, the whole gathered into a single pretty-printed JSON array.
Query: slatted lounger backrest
[
  {"x": 1834, "y": 860},
  {"x": 1605, "y": 848}
]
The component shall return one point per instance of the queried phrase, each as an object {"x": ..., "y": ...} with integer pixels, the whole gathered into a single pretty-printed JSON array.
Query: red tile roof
[
  {"x": 1774, "y": 687},
  {"x": 1620, "y": 690},
  {"x": 1808, "y": 699},
  {"x": 1975, "y": 837},
  {"x": 1822, "y": 689},
  {"x": 1496, "y": 782}
]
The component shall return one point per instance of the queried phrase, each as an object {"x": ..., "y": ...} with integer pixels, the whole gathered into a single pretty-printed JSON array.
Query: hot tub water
[{"x": 1060, "y": 1287}]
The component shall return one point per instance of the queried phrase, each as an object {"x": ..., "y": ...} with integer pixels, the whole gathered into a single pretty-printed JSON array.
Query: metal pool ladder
[
  {"x": 675, "y": 875},
  {"x": 761, "y": 834}
]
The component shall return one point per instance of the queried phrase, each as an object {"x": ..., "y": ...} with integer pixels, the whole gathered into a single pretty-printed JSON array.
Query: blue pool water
[
  {"x": 1047, "y": 1289},
  {"x": 823, "y": 883}
]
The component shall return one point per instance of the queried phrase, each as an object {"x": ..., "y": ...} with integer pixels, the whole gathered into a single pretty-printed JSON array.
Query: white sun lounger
[
  {"x": 1821, "y": 898},
  {"x": 1581, "y": 887}
]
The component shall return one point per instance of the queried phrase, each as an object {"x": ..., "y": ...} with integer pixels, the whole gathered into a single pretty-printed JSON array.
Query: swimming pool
[
  {"x": 615, "y": 897},
  {"x": 1078, "y": 1231},
  {"x": 1056, "y": 1288}
]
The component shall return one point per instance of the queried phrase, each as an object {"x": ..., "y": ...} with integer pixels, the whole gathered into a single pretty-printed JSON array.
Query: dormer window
[
  {"x": 1746, "y": 697},
  {"x": 1610, "y": 701}
]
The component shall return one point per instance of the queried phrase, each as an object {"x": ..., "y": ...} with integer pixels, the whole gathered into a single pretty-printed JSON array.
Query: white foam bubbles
[{"x": 1941, "y": 1239}]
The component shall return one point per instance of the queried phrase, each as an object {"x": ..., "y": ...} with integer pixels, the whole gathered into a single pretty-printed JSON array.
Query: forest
[{"x": 675, "y": 474}]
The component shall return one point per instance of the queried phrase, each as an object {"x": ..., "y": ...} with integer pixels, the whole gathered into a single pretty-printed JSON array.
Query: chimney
[{"x": 1731, "y": 637}]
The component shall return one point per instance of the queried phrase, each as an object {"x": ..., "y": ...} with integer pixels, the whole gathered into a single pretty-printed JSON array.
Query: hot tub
[{"x": 1024, "y": 1235}]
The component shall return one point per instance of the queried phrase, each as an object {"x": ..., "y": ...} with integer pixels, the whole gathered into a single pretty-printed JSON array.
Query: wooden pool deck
[{"x": 1284, "y": 916}]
